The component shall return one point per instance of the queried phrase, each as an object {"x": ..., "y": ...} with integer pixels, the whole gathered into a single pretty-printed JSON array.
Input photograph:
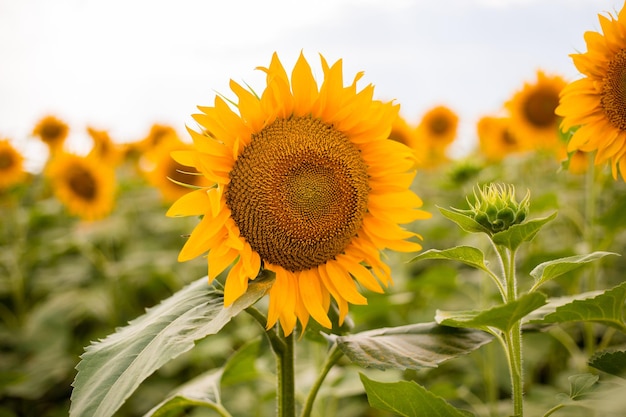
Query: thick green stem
[
  {"x": 590, "y": 283},
  {"x": 285, "y": 373},
  {"x": 331, "y": 359},
  {"x": 513, "y": 339}
]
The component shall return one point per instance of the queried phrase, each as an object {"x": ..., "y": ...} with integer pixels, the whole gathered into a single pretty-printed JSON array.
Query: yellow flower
[
  {"x": 167, "y": 175},
  {"x": 307, "y": 185},
  {"x": 495, "y": 138},
  {"x": 11, "y": 165},
  {"x": 533, "y": 119},
  {"x": 578, "y": 162},
  {"x": 52, "y": 132},
  {"x": 438, "y": 127},
  {"x": 597, "y": 102},
  {"x": 403, "y": 132},
  {"x": 104, "y": 148},
  {"x": 84, "y": 185}
]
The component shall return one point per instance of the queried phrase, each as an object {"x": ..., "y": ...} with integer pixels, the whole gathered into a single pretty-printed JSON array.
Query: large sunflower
[
  {"x": 52, "y": 131},
  {"x": 307, "y": 185},
  {"x": 597, "y": 102},
  {"x": 85, "y": 185},
  {"x": 11, "y": 165},
  {"x": 532, "y": 112}
]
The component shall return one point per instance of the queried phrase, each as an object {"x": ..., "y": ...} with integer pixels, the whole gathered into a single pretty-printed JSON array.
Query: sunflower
[
  {"x": 104, "y": 148},
  {"x": 403, "y": 132},
  {"x": 85, "y": 185},
  {"x": 496, "y": 139},
  {"x": 438, "y": 127},
  {"x": 11, "y": 165},
  {"x": 52, "y": 132},
  {"x": 532, "y": 112},
  {"x": 578, "y": 162},
  {"x": 307, "y": 185},
  {"x": 596, "y": 102},
  {"x": 168, "y": 175}
]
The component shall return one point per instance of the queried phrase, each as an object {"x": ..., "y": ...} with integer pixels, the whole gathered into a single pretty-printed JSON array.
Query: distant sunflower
[
  {"x": 11, "y": 165},
  {"x": 597, "y": 102},
  {"x": 158, "y": 133},
  {"x": 104, "y": 148},
  {"x": 167, "y": 175},
  {"x": 52, "y": 132},
  {"x": 532, "y": 112},
  {"x": 495, "y": 138},
  {"x": 578, "y": 162},
  {"x": 438, "y": 127},
  {"x": 307, "y": 185},
  {"x": 84, "y": 185},
  {"x": 403, "y": 132}
]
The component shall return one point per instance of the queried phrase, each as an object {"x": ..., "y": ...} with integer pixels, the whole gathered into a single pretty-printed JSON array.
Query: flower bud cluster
[{"x": 496, "y": 209}]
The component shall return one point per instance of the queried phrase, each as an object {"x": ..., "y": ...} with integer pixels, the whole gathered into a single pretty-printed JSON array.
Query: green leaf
[
  {"x": 607, "y": 307},
  {"x": 517, "y": 234},
  {"x": 552, "y": 269},
  {"x": 613, "y": 363},
  {"x": 581, "y": 385},
  {"x": 501, "y": 317},
  {"x": 408, "y": 399},
  {"x": 466, "y": 254},
  {"x": 464, "y": 221},
  {"x": 202, "y": 391},
  {"x": 416, "y": 346},
  {"x": 112, "y": 369}
]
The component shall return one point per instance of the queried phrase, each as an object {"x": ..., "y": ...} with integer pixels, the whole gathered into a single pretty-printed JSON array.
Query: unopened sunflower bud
[{"x": 496, "y": 209}]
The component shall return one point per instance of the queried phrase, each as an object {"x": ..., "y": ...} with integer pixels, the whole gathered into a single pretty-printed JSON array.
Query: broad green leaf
[
  {"x": 501, "y": 317},
  {"x": 416, "y": 346},
  {"x": 464, "y": 221},
  {"x": 581, "y": 385},
  {"x": 537, "y": 316},
  {"x": 613, "y": 363},
  {"x": 241, "y": 367},
  {"x": 552, "y": 269},
  {"x": 607, "y": 307},
  {"x": 202, "y": 391},
  {"x": 112, "y": 369},
  {"x": 408, "y": 399},
  {"x": 468, "y": 255},
  {"x": 517, "y": 234}
]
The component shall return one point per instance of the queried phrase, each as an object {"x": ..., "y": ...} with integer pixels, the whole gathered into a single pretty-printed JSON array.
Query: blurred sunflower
[
  {"x": 403, "y": 132},
  {"x": 532, "y": 112},
  {"x": 578, "y": 162},
  {"x": 104, "y": 148},
  {"x": 307, "y": 185},
  {"x": 11, "y": 165},
  {"x": 496, "y": 139},
  {"x": 85, "y": 185},
  {"x": 168, "y": 175},
  {"x": 436, "y": 131},
  {"x": 52, "y": 132}
]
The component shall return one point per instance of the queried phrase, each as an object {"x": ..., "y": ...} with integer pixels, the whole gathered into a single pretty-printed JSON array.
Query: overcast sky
[{"x": 121, "y": 65}]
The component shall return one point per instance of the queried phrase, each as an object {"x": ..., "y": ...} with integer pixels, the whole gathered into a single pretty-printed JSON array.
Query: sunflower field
[{"x": 305, "y": 249}]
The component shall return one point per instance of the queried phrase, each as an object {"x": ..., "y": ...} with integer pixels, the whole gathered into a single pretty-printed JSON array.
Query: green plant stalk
[
  {"x": 590, "y": 284},
  {"x": 285, "y": 374},
  {"x": 513, "y": 337},
  {"x": 331, "y": 359}
]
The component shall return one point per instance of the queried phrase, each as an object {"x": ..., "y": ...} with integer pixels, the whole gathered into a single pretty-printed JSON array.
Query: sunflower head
[
  {"x": 595, "y": 102},
  {"x": 496, "y": 209},
  {"x": 85, "y": 185},
  {"x": 532, "y": 111},
  {"x": 438, "y": 127},
  {"x": 11, "y": 165},
  {"x": 52, "y": 132},
  {"x": 496, "y": 139},
  {"x": 104, "y": 148},
  {"x": 306, "y": 184}
]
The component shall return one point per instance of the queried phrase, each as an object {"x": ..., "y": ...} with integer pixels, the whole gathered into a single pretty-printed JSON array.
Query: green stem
[
  {"x": 331, "y": 359},
  {"x": 513, "y": 339},
  {"x": 590, "y": 284},
  {"x": 285, "y": 372},
  {"x": 553, "y": 409}
]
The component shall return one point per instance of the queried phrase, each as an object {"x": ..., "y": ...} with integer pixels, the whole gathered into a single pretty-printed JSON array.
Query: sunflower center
[
  {"x": 539, "y": 108},
  {"x": 439, "y": 125},
  {"x": 508, "y": 138},
  {"x": 6, "y": 160},
  {"x": 50, "y": 132},
  {"x": 298, "y": 193},
  {"x": 613, "y": 99},
  {"x": 82, "y": 183}
]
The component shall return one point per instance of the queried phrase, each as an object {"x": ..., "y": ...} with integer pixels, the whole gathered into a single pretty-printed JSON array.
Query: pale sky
[{"x": 122, "y": 65}]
